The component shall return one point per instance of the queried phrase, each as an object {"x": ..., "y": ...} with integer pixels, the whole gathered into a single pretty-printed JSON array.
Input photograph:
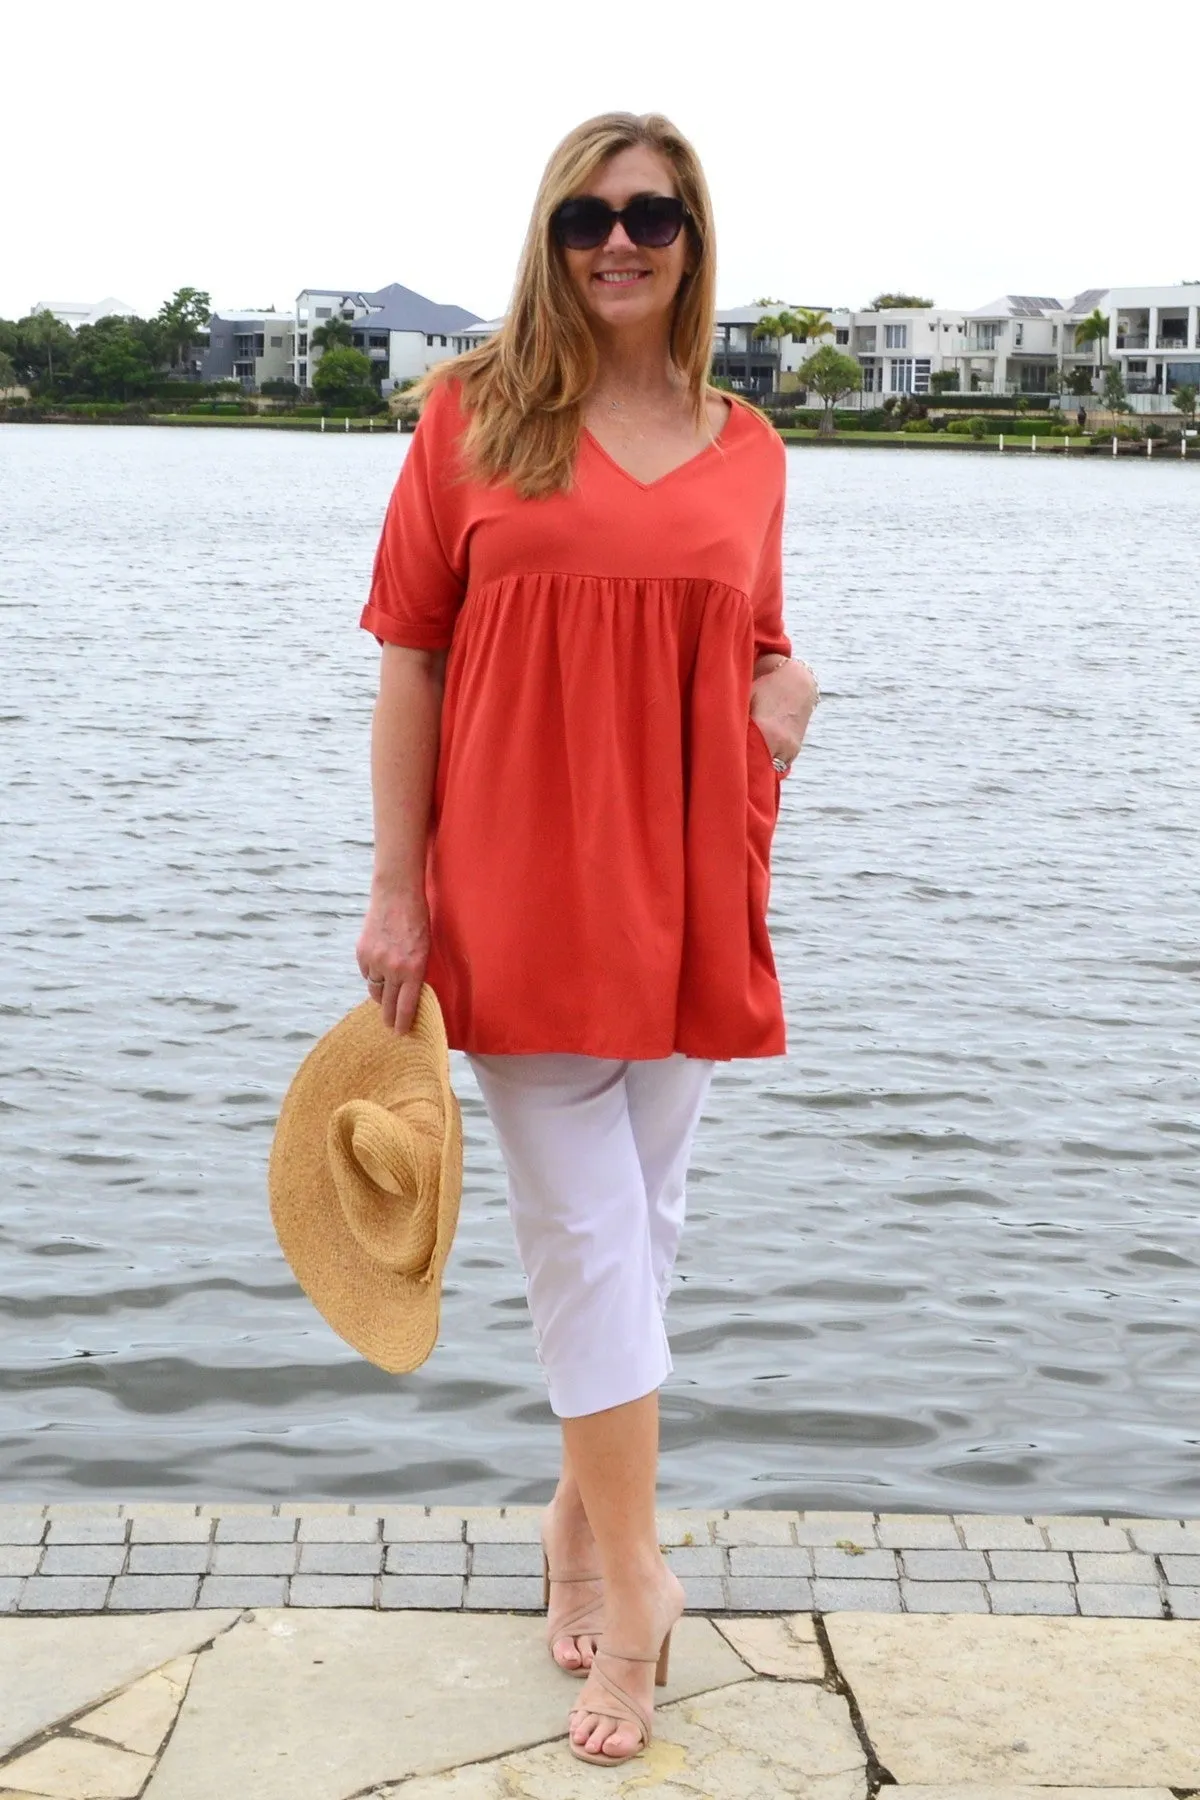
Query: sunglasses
[{"x": 651, "y": 221}]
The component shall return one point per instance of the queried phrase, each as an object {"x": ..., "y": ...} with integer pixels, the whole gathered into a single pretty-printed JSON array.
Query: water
[{"x": 945, "y": 1255}]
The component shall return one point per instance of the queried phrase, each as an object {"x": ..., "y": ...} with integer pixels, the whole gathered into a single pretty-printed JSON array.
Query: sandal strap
[
  {"x": 631, "y": 1713},
  {"x": 576, "y": 1624}
]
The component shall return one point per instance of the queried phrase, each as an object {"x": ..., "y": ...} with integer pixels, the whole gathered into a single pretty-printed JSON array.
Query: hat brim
[{"x": 390, "y": 1319}]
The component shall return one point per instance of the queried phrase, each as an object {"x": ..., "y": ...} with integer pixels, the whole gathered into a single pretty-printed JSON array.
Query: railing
[
  {"x": 1171, "y": 343},
  {"x": 981, "y": 346},
  {"x": 1133, "y": 340}
]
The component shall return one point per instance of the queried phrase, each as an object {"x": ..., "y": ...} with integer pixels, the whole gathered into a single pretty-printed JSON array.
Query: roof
[
  {"x": 1089, "y": 298},
  {"x": 1017, "y": 306},
  {"x": 397, "y": 308},
  {"x": 750, "y": 315},
  {"x": 236, "y": 315}
]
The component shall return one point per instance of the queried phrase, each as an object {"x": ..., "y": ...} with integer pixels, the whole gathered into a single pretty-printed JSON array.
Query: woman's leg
[{"x": 666, "y": 1099}]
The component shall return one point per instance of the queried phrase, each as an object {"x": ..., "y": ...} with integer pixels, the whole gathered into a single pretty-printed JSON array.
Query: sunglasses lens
[
  {"x": 654, "y": 220},
  {"x": 582, "y": 224}
]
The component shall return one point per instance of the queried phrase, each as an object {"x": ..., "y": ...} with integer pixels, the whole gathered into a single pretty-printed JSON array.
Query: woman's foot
[
  {"x": 638, "y": 1619},
  {"x": 576, "y": 1609}
]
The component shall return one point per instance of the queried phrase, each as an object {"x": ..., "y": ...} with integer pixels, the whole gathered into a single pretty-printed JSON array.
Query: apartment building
[
  {"x": 84, "y": 312},
  {"x": 402, "y": 332},
  {"x": 250, "y": 347}
]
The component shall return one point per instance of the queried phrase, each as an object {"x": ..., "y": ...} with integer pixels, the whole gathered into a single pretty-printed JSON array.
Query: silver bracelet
[{"x": 803, "y": 665}]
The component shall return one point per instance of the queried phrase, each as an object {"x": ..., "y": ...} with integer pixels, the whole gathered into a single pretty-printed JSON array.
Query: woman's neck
[{"x": 633, "y": 363}]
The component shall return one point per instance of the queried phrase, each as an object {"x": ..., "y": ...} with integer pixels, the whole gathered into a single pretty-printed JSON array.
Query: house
[
  {"x": 1153, "y": 338},
  {"x": 402, "y": 332},
  {"x": 84, "y": 312},
  {"x": 250, "y": 347}
]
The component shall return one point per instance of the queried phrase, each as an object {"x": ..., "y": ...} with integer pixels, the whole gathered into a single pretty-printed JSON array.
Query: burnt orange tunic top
[{"x": 599, "y": 851}]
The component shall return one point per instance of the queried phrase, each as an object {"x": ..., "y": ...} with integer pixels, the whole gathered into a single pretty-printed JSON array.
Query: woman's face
[{"x": 621, "y": 284}]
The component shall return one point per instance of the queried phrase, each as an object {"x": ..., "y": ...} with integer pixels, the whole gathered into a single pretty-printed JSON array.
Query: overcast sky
[{"x": 960, "y": 151}]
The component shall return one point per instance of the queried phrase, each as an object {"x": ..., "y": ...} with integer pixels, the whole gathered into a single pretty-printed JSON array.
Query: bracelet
[{"x": 799, "y": 659}]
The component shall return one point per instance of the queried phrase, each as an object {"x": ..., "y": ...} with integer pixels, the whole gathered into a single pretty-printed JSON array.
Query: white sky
[{"x": 961, "y": 151}]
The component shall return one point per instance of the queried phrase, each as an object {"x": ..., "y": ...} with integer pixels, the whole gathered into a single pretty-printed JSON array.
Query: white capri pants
[{"x": 597, "y": 1154}]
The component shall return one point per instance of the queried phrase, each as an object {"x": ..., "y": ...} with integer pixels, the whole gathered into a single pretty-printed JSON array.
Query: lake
[{"x": 943, "y": 1255}]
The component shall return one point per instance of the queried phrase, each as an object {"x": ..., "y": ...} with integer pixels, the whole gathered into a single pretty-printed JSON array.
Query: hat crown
[{"x": 385, "y": 1166}]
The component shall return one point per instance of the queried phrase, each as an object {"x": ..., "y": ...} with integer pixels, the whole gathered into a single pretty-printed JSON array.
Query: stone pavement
[{"x": 166, "y": 1558}]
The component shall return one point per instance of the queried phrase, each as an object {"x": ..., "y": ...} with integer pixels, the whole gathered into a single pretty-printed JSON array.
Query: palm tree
[
  {"x": 1093, "y": 330},
  {"x": 335, "y": 334}
]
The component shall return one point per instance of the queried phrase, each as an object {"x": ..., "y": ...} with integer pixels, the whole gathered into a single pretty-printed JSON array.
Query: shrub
[
  {"x": 922, "y": 425},
  {"x": 1152, "y": 429},
  {"x": 978, "y": 428},
  {"x": 958, "y": 427}
]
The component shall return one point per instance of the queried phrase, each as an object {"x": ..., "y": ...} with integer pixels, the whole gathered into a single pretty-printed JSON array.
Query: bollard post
[
  {"x": 1001, "y": 443},
  {"x": 322, "y": 421},
  {"x": 397, "y": 424},
  {"x": 346, "y": 421},
  {"x": 1032, "y": 444},
  {"x": 1114, "y": 444},
  {"x": 1066, "y": 446},
  {"x": 1149, "y": 446}
]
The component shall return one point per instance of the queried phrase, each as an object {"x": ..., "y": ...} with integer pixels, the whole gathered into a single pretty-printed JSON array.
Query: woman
[{"x": 587, "y": 702}]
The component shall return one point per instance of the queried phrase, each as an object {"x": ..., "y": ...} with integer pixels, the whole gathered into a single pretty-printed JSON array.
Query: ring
[
  {"x": 781, "y": 766},
  {"x": 375, "y": 981}
]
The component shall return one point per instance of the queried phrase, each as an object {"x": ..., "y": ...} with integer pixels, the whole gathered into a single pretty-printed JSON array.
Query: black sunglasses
[{"x": 652, "y": 221}]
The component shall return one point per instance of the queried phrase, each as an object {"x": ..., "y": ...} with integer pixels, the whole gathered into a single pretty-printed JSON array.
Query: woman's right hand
[{"x": 394, "y": 944}]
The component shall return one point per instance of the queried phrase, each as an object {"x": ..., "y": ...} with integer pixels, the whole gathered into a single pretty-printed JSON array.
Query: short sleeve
[
  {"x": 417, "y": 583},
  {"x": 769, "y": 633}
]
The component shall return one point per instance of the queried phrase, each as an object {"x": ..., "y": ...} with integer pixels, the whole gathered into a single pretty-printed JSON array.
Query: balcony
[
  {"x": 1133, "y": 340},
  {"x": 1171, "y": 343}
]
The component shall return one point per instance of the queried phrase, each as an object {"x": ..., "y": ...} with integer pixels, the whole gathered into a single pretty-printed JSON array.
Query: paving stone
[
  {"x": 254, "y": 1559},
  {"x": 71, "y": 1766},
  {"x": 168, "y": 1559},
  {"x": 84, "y": 1509},
  {"x": 507, "y": 1559},
  {"x": 332, "y": 1590},
  {"x": 164, "y": 1528},
  {"x": 140, "y": 1718},
  {"x": 421, "y": 1593},
  {"x": 856, "y": 1596},
  {"x": 82, "y": 1529},
  {"x": 413, "y": 1525},
  {"x": 826, "y": 1529},
  {"x": 1170, "y": 1535},
  {"x": 1118, "y": 1600},
  {"x": 243, "y": 1590},
  {"x": 153, "y": 1593},
  {"x": 21, "y": 1525},
  {"x": 19, "y": 1559},
  {"x": 64, "y": 1593},
  {"x": 962, "y": 1702},
  {"x": 83, "y": 1559},
  {"x": 686, "y": 1528},
  {"x": 1183, "y": 1569},
  {"x": 689, "y": 1560},
  {"x": 10, "y": 1592},
  {"x": 237, "y": 1509},
  {"x": 704, "y": 1595},
  {"x": 324, "y": 1509},
  {"x": 1031, "y": 1565},
  {"x": 1031, "y": 1597},
  {"x": 510, "y": 1525},
  {"x": 918, "y": 1531},
  {"x": 944, "y": 1596},
  {"x": 255, "y": 1529},
  {"x": 785, "y": 1648},
  {"x": 340, "y": 1530},
  {"x": 160, "y": 1509},
  {"x": 426, "y": 1559},
  {"x": 1184, "y": 1602},
  {"x": 844, "y": 1565},
  {"x": 945, "y": 1565},
  {"x": 516, "y": 1593},
  {"x": 752, "y": 1527},
  {"x": 1105, "y": 1566},
  {"x": 1066, "y": 1533},
  {"x": 341, "y": 1559},
  {"x": 769, "y": 1560},
  {"x": 769, "y": 1593},
  {"x": 998, "y": 1531}
]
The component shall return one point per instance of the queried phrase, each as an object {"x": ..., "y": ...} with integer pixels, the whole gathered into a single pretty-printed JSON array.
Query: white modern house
[
  {"x": 402, "y": 332},
  {"x": 1154, "y": 337},
  {"x": 84, "y": 312}
]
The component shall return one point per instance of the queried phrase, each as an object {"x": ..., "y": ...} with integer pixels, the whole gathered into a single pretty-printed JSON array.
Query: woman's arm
[
  {"x": 394, "y": 941},
  {"x": 782, "y": 699}
]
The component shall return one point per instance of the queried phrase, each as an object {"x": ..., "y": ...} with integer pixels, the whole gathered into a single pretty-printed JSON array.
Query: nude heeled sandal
[
  {"x": 578, "y": 1624},
  {"x": 626, "y": 1709}
]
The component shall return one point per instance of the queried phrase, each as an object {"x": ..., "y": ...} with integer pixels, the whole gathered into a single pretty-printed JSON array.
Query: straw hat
[{"x": 365, "y": 1178}]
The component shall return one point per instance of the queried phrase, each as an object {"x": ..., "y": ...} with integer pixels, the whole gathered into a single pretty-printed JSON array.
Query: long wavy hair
[{"x": 523, "y": 388}]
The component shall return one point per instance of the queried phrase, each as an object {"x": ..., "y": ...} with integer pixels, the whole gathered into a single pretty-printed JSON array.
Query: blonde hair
[{"x": 523, "y": 388}]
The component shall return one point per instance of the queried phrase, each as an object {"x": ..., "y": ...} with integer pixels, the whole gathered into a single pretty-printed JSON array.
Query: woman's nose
[{"x": 618, "y": 238}]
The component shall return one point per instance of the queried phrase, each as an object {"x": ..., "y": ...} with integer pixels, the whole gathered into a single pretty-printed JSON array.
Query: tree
[
  {"x": 8, "y": 372},
  {"x": 1112, "y": 391},
  {"x": 1184, "y": 398},
  {"x": 181, "y": 319},
  {"x": 944, "y": 381},
  {"x": 40, "y": 337},
  {"x": 882, "y": 302},
  {"x": 1093, "y": 330},
  {"x": 831, "y": 375},
  {"x": 343, "y": 378},
  {"x": 116, "y": 358},
  {"x": 335, "y": 334}
]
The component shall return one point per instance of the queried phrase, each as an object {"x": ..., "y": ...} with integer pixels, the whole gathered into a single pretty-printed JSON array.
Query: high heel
[
  {"x": 624, "y": 1710},
  {"x": 577, "y": 1624}
]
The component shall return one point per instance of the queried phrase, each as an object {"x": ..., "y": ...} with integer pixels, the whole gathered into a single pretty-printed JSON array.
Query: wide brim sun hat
[{"x": 365, "y": 1179}]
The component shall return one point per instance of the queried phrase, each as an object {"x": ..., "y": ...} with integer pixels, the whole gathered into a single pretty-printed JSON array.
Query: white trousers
[{"x": 597, "y": 1154}]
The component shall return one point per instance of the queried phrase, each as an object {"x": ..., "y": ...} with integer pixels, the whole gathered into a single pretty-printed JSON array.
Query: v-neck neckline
[{"x": 697, "y": 456}]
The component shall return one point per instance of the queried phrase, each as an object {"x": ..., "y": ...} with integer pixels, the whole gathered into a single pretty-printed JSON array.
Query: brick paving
[{"x": 156, "y": 1556}]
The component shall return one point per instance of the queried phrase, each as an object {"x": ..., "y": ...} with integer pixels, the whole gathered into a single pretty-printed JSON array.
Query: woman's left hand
[{"x": 782, "y": 699}]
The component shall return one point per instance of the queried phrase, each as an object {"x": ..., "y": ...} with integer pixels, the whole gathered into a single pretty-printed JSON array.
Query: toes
[{"x": 566, "y": 1654}]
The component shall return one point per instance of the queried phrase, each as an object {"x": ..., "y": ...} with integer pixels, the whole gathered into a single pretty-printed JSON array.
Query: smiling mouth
[{"x": 621, "y": 277}]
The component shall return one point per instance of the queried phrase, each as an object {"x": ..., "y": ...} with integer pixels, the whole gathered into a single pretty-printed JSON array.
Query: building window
[
  {"x": 921, "y": 375},
  {"x": 1054, "y": 335},
  {"x": 842, "y": 334},
  {"x": 1018, "y": 334},
  {"x": 218, "y": 343},
  {"x": 356, "y": 338},
  {"x": 277, "y": 343},
  {"x": 895, "y": 337},
  {"x": 302, "y": 346},
  {"x": 872, "y": 375},
  {"x": 1136, "y": 367},
  {"x": 377, "y": 340},
  {"x": 901, "y": 370},
  {"x": 324, "y": 312},
  {"x": 244, "y": 371},
  {"x": 429, "y": 340},
  {"x": 302, "y": 375}
]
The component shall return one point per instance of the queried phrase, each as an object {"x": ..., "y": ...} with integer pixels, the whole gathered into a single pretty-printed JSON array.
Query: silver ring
[
  {"x": 779, "y": 764},
  {"x": 375, "y": 981}
]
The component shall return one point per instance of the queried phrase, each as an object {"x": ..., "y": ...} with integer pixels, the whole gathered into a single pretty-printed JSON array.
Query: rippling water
[{"x": 945, "y": 1254}]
